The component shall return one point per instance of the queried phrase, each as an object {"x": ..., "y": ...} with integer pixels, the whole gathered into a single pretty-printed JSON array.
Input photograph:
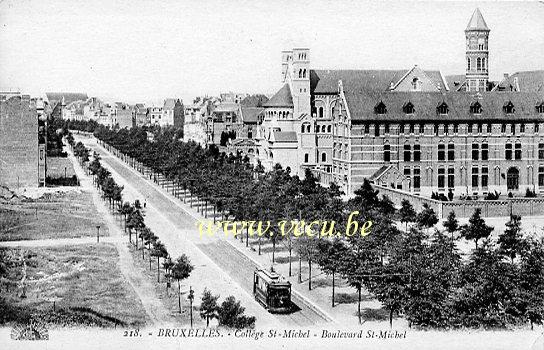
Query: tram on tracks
[{"x": 272, "y": 291}]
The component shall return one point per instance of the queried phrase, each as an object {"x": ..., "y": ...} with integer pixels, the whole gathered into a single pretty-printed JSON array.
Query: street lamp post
[
  {"x": 191, "y": 297},
  {"x": 97, "y": 233}
]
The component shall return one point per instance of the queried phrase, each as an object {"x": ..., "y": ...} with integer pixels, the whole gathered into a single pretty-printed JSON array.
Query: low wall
[
  {"x": 58, "y": 167},
  {"x": 464, "y": 209}
]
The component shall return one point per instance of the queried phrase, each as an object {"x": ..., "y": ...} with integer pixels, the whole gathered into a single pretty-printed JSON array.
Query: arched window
[
  {"x": 468, "y": 63},
  {"x": 302, "y": 127},
  {"x": 478, "y": 64},
  {"x": 380, "y": 108},
  {"x": 386, "y": 153},
  {"x": 329, "y": 128},
  {"x": 476, "y": 108},
  {"x": 304, "y": 73},
  {"x": 300, "y": 73},
  {"x": 308, "y": 128},
  {"x": 323, "y": 128},
  {"x": 320, "y": 112},
  {"x": 483, "y": 64},
  {"x": 324, "y": 157}
]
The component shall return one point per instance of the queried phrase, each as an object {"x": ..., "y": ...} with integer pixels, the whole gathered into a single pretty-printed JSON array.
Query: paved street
[{"x": 235, "y": 264}]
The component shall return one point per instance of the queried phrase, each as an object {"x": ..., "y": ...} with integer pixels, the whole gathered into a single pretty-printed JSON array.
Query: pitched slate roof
[
  {"x": 361, "y": 105},
  {"x": 285, "y": 136},
  {"x": 477, "y": 21},
  {"x": 326, "y": 81},
  {"x": 68, "y": 97},
  {"x": 528, "y": 81},
  {"x": 282, "y": 98},
  {"x": 169, "y": 103},
  {"x": 379, "y": 173},
  {"x": 225, "y": 107},
  {"x": 250, "y": 115}
]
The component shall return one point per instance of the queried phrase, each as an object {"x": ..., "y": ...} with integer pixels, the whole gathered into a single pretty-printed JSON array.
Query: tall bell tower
[{"x": 477, "y": 53}]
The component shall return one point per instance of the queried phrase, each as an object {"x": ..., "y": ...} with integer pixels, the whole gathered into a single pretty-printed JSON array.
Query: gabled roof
[
  {"x": 250, "y": 115},
  {"x": 326, "y": 81},
  {"x": 477, "y": 21},
  {"x": 284, "y": 136},
  {"x": 169, "y": 103},
  {"x": 527, "y": 81},
  {"x": 282, "y": 98},
  {"x": 68, "y": 97}
]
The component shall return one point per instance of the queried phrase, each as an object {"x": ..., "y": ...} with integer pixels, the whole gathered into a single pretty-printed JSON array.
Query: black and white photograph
[{"x": 290, "y": 174}]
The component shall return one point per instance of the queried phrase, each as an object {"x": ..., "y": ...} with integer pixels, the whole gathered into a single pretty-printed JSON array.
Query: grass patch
[
  {"x": 70, "y": 286},
  {"x": 58, "y": 215}
]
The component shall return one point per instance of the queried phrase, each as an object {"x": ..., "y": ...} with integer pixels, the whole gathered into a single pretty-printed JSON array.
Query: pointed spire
[{"x": 477, "y": 21}]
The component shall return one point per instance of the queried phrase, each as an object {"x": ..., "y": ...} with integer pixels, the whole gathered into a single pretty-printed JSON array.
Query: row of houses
[{"x": 78, "y": 106}]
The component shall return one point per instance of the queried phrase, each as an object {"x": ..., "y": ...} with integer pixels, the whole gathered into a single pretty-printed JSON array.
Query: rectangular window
[
  {"x": 407, "y": 173},
  {"x": 541, "y": 176},
  {"x": 522, "y": 128},
  {"x": 441, "y": 152},
  {"x": 474, "y": 177},
  {"x": 386, "y": 153},
  {"x": 377, "y": 130},
  {"x": 451, "y": 152},
  {"x": 517, "y": 153},
  {"x": 455, "y": 128},
  {"x": 541, "y": 151},
  {"x": 367, "y": 129},
  {"x": 508, "y": 151},
  {"x": 446, "y": 129},
  {"x": 513, "y": 129},
  {"x": 489, "y": 128},
  {"x": 470, "y": 128},
  {"x": 417, "y": 179},
  {"x": 411, "y": 128},
  {"x": 451, "y": 177},
  {"x": 421, "y": 128},
  {"x": 485, "y": 177},
  {"x": 417, "y": 153},
  {"x": 537, "y": 127},
  {"x": 436, "y": 129},
  {"x": 503, "y": 128},
  {"x": 441, "y": 178},
  {"x": 479, "y": 128},
  {"x": 485, "y": 151},
  {"x": 387, "y": 128},
  {"x": 407, "y": 156},
  {"x": 475, "y": 151}
]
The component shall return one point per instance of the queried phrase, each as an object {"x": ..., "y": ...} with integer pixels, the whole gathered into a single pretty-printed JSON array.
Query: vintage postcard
[{"x": 271, "y": 174}]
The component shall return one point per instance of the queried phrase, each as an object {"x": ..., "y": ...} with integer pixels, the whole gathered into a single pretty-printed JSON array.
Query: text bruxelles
[{"x": 296, "y": 228}]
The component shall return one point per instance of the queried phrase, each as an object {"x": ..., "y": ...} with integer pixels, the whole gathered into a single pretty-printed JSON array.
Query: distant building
[
  {"x": 139, "y": 114},
  {"x": 196, "y": 116},
  {"x": 124, "y": 115},
  {"x": 172, "y": 113},
  {"x": 232, "y": 97},
  {"x": 20, "y": 156},
  {"x": 154, "y": 115}
]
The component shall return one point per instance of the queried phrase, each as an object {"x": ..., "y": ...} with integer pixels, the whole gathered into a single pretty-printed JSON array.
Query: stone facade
[{"x": 19, "y": 143}]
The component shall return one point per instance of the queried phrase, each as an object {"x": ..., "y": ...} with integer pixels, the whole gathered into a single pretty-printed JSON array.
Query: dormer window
[
  {"x": 442, "y": 108},
  {"x": 408, "y": 108},
  {"x": 540, "y": 108},
  {"x": 380, "y": 108},
  {"x": 508, "y": 108},
  {"x": 476, "y": 108}
]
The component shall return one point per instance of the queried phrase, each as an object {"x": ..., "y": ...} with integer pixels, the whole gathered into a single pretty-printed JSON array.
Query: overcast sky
[{"x": 144, "y": 51}]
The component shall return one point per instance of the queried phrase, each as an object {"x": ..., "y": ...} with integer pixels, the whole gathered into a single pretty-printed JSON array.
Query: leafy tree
[
  {"x": 208, "y": 306},
  {"x": 329, "y": 257},
  {"x": 427, "y": 217},
  {"x": 511, "y": 242},
  {"x": 181, "y": 270},
  {"x": 407, "y": 213},
  {"x": 231, "y": 314},
  {"x": 451, "y": 224},
  {"x": 532, "y": 281},
  {"x": 476, "y": 228},
  {"x": 159, "y": 251}
]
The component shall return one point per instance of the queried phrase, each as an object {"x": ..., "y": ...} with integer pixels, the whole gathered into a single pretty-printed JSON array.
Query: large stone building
[{"x": 411, "y": 129}]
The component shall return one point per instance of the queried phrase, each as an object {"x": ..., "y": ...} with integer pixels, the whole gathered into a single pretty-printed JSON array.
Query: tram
[{"x": 272, "y": 291}]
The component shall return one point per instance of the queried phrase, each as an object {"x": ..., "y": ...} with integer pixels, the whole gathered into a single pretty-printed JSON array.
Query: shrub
[
  {"x": 231, "y": 314},
  {"x": 530, "y": 193}
]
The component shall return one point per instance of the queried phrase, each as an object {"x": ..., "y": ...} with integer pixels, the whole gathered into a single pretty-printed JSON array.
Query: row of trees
[{"x": 416, "y": 271}]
